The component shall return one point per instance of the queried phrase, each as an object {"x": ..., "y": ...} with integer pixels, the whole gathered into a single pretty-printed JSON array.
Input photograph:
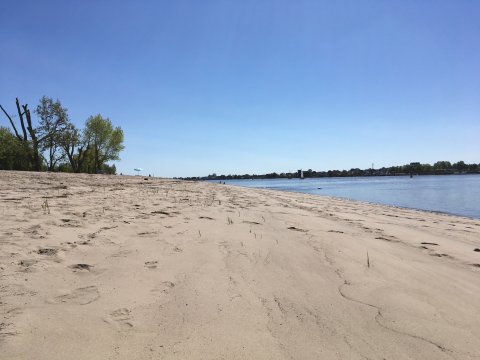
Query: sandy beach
[{"x": 119, "y": 267}]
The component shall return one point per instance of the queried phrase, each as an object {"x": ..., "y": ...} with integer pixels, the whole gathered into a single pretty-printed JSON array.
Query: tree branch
[
  {"x": 20, "y": 114},
  {"x": 11, "y": 123}
]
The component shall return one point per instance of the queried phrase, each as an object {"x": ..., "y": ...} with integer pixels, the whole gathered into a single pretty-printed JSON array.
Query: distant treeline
[
  {"x": 414, "y": 168},
  {"x": 54, "y": 143}
]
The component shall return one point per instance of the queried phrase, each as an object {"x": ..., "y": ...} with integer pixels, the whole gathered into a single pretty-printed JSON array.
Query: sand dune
[{"x": 99, "y": 267}]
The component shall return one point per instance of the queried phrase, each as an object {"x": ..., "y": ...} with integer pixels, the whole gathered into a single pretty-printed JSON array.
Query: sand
[{"x": 119, "y": 267}]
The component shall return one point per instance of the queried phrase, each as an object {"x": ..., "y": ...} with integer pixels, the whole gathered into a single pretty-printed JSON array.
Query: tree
[
  {"x": 460, "y": 166},
  {"x": 106, "y": 141},
  {"x": 53, "y": 121},
  {"x": 13, "y": 153},
  {"x": 31, "y": 144},
  {"x": 442, "y": 165},
  {"x": 75, "y": 146}
]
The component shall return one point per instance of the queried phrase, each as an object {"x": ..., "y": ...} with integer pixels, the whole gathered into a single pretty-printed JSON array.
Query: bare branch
[
  {"x": 20, "y": 114},
  {"x": 11, "y": 123}
]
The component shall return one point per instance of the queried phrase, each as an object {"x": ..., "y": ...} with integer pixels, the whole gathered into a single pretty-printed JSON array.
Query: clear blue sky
[{"x": 255, "y": 86}]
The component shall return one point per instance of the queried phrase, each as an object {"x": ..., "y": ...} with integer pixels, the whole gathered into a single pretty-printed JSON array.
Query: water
[{"x": 453, "y": 194}]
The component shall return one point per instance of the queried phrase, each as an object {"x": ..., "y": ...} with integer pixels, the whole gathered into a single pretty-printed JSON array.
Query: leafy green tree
[
  {"x": 75, "y": 147},
  {"x": 14, "y": 154},
  {"x": 106, "y": 142},
  {"x": 460, "y": 166},
  {"x": 109, "y": 169},
  {"x": 53, "y": 122},
  {"x": 426, "y": 168},
  {"x": 442, "y": 165}
]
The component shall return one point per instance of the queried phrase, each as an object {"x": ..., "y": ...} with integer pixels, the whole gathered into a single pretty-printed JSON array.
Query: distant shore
[
  {"x": 279, "y": 176},
  {"x": 123, "y": 267}
]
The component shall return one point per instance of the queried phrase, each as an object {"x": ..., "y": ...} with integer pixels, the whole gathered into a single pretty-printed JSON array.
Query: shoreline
[
  {"x": 475, "y": 215},
  {"x": 122, "y": 267},
  {"x": 361, "y": 201}
]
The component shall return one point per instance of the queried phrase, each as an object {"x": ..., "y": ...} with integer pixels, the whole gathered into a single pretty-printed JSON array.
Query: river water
[{"x": 453, "y": 194}]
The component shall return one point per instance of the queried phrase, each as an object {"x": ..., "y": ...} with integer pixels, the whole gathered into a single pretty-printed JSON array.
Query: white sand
[{"x": 180, "y": 270}]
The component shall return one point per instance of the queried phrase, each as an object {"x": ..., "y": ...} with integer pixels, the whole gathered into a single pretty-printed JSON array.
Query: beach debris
[
  {"x": 429, "y": 243},
  {"x": 476, "y": 250}
]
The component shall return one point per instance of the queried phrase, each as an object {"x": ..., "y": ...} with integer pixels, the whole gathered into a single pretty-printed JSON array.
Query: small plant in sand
[
  {"x": 45, "y": 207},
  {"x": 229, "y": 221}
]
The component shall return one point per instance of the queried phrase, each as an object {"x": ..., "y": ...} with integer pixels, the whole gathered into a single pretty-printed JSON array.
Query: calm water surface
[{"x": 453, "y": 194}]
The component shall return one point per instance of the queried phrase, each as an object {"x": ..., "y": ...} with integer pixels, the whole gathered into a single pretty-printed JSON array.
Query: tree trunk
[
  {"x": 20, "y": 115},
  {"x": 37, "y": 164},
  {"x": 96, "y": 159}
]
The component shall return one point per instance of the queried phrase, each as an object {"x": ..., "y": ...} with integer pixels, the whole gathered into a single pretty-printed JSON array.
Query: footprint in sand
[
  {"x": 80, "y": 267},
  {"x": 47, "y": 251},
  {"x": 389, "y": 238},
  {"x": 80, "y": 296},
  {"x": 122, "y": 318},
  {"x": 251, "y": 222},
  {"x": 440, "y": 255},
  {"x": 296, "y": 229},
  {"x": 163, "y": 287},
  {"x": 205, "y": 217},
  {"x": 27, "y": 263},
  {"x": 121, "y": 253},
  {"x": 151, "y": 264}
]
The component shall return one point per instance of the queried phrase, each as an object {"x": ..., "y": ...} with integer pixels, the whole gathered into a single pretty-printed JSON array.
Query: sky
[{"x": 248, "y": 86}]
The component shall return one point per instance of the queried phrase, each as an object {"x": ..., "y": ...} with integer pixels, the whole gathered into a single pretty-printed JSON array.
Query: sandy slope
[{"x": 123, "y": 268}]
